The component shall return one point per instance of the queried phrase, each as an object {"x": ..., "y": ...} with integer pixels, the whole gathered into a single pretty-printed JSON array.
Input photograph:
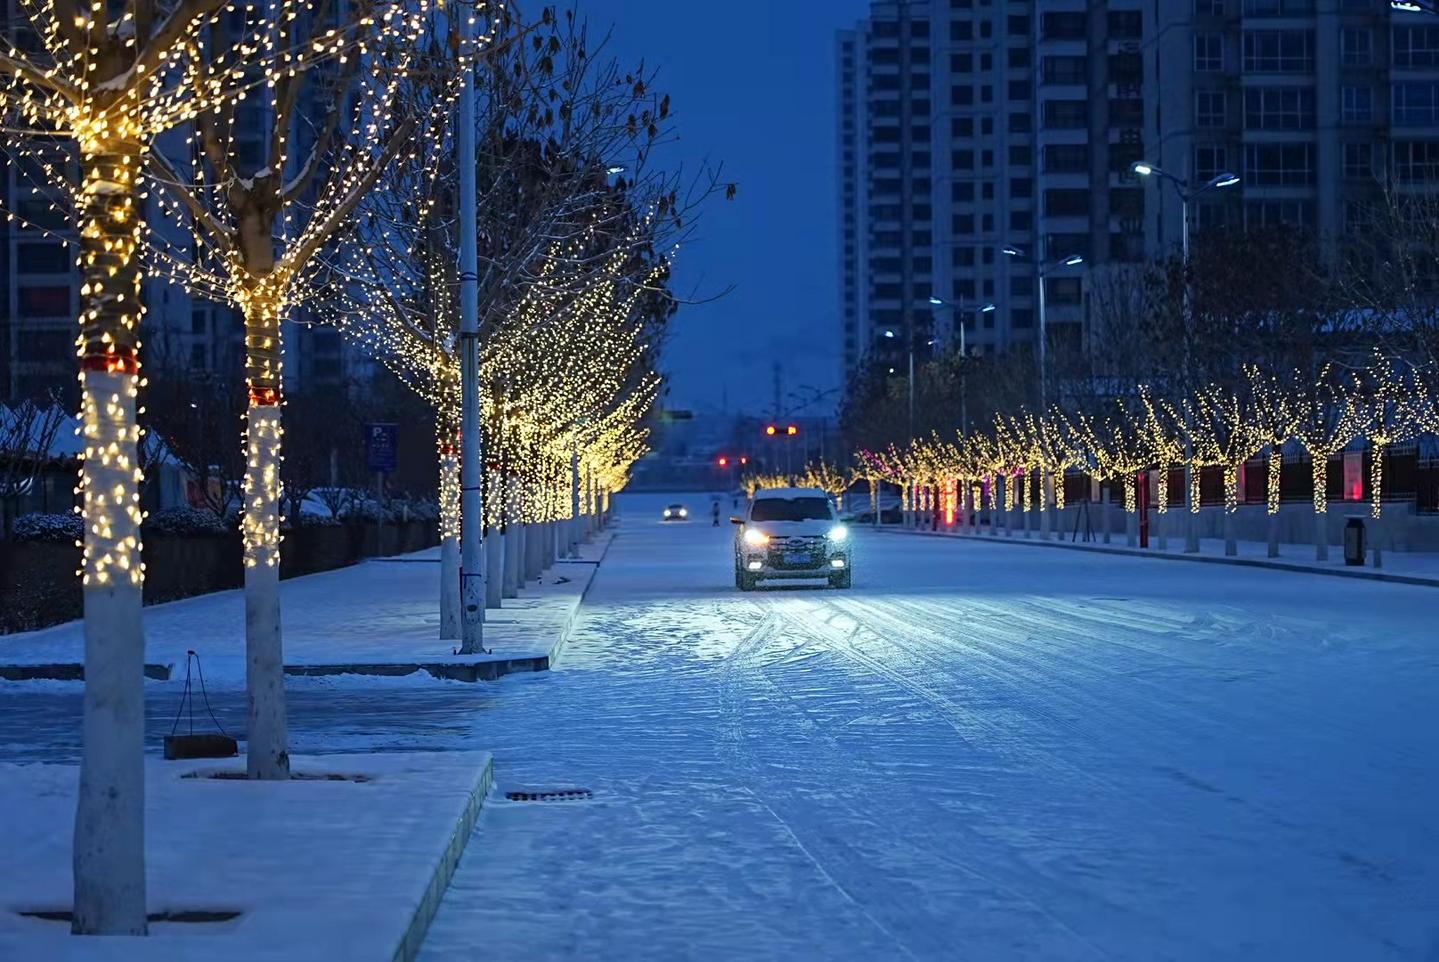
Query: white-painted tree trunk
[
  {"x": 1231, "y": 484},
  {"x": 494, "y": 567},
  {"x": 267, "y": 740},
  {"x": 533, "y": 554},
  {"x": 449, "y": 546},
  {"x": 1320, "y": 471},
  {"x": 512, "y": 574},
  {"x": 1191, "y": 509},
  {"x": 108, "y": 858}
]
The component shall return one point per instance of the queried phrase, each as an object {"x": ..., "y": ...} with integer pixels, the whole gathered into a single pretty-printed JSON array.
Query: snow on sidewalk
[
  {"x": 318, "y": 869},
  {"x": 1421, "y": 567},
  {"x": 384, "y": 610}
]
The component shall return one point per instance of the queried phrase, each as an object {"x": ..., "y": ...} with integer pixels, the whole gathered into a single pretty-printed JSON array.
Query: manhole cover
[{"x": 556, "y": 795}]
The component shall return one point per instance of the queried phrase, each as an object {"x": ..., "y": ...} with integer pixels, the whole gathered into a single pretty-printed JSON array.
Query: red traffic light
[
  {"x": 744, "y": 459},
  {"x": 724, "y": 462},
  {"x": 792, "y": 430}
]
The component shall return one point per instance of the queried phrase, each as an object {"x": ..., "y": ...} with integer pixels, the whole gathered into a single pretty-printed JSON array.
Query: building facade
[{"x": 972, "y": 126}]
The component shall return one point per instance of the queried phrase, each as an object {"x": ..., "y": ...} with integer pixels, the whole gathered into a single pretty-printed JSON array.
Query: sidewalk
[
  {"x": 379, "y": 617},
  {"x": 1399, "y": 567},
  {"x": 329, "y": 867}
]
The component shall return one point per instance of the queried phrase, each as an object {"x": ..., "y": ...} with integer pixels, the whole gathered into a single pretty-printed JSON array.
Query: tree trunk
[
  {"x": 1319, "y": 468},
  {"x": 1161, "y": 506},
  {"x": 1191, "y": 529},
  {"x": 510, "y": 575},
  {"x": 449, "y": 539},
  {"x": 1231, "y": 500},
  {"x": 108, "y": 855},
  {"x": 1026, "y": 502},
  {"x": 1275, "y": 466},
  {"x": 268, "y": 754},
  {"x": 494, "y": 545},
  {"x": 1376, "y": 503},
  {"x": 1130, "y": 480}
]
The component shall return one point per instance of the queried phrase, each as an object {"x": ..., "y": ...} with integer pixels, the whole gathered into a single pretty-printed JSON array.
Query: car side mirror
[{"x": 735, "y": 520}]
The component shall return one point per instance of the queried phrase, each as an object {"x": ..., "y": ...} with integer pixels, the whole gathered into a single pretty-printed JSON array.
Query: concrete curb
[
  {"x": 1358, "y": 573},
  {"x": 414, "y": 938},
  {"x": 559, "y": 646},
  {"x": 71, "y": 671}
]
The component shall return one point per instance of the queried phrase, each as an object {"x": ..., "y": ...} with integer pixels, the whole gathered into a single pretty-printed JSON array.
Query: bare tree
[{"x": 27, "y": 436}]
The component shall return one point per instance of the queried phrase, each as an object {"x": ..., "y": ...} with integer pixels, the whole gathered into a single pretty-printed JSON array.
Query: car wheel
[
  {"x": 841, "y": 580},
  {"x": 744, "y": 582}
]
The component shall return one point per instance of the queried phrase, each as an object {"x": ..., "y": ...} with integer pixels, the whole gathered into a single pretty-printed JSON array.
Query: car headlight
[
  {"x": 684, "y": 512},
  {"x": 839, "y": 533},
  {"x": 755, "y": 537}
]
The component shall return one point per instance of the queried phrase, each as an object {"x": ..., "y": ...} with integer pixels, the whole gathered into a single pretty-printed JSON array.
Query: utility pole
[{"x": 472, "y": 466}]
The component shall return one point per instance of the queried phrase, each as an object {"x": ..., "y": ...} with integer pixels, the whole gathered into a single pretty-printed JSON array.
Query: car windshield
[{"x": 790, "y": 509}]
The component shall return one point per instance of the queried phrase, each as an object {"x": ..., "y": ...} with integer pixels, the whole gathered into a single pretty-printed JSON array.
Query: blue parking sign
[{"x": 382, "y": 447}]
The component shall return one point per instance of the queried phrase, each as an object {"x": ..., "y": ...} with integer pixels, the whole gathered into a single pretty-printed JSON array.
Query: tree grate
[{"x": 557, "y": 795}]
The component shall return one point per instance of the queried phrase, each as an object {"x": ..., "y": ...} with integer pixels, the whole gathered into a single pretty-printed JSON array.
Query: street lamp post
[
  {"x": 1187, "y": 194},
  {"x": 1042, "y": 271},
  {"x": 958, "y": 310}
]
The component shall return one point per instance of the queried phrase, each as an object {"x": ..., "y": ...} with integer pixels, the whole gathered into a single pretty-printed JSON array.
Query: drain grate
[{"x": 555, "y": 795}]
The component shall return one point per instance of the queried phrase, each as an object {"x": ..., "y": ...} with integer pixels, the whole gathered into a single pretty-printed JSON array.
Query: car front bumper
[{"x": 771, "y": 568}]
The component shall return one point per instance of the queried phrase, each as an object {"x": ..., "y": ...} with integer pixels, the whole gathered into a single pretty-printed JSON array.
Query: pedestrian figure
[{"x": 714, "y": 512}]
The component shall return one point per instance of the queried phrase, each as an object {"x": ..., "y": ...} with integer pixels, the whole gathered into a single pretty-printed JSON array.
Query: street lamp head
[
  {"x": 1074, "y": 260},
  {"x": 615, "y": 170},
  {"x": 989, "y": 309},
  {"x": 1141, "y": 168},
  {"x": 1011, "y": 252},
  {"x": 936, "y": 302},
  {"x": 1225, "y": 179},
  {"x": 889, "y": 333}
]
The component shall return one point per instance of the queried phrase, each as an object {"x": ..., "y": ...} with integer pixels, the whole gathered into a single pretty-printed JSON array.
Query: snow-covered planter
[
  {"x": 186, "y": 522},
  {"x": 50, "y": 528},
  {"x": 307, "y": 520}
]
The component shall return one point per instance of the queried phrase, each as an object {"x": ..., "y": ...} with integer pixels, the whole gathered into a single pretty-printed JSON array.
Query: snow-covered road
[{"x": 981, "y": 751}]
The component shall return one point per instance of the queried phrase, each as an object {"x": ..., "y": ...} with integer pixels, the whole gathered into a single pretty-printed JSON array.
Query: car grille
[{"x": 807, "y": 551}]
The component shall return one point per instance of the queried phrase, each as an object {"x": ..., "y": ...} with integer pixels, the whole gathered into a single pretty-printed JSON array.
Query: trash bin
[{"x": 1354, "y": 540}]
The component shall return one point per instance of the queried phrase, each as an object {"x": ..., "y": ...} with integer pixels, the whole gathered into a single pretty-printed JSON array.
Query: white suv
[{"x": 791, "y": 533}]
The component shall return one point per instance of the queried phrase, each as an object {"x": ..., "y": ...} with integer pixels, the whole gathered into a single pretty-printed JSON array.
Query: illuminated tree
[
  {"x": 1275, "y": 416},
  {"x": 1119, "y": 449},
  {"x": 1394, "y": 405},
  {"x": 97, "y": 86},
  {"x": 1326, "y": 421}
]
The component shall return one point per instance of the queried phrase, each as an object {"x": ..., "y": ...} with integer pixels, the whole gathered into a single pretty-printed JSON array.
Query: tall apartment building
[{"x": 967, "y": 126}]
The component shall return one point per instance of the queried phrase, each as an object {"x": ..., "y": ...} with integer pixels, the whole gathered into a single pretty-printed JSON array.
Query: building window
[
  {"x": 1356, "y": 104},
  {"x": 1066, "y": 203},
  {"x": 1416, "y": 104},
  {"x": 1065, "y": 70},
  {"x": 1021, "y": 220},
  {"x": 1209, "y": 8},
  {"x": 1356, "y": 46},
  {"x": 1358, "y": 161},
  {"x": 1279, "y": 165},
  {"x": 1279, "y": 213},
  {"x": 1064, "y": 26},
  {"x": 1209, "y": 108},
  {"x": 1066, "y": 158},
  {"x": 1210, "y": 160},
  {"x": 1416, "y": 161},
  {"x": 1416, "y": 46},
  {"x": 43, "y": 259},
  {"x": 1279, "y": 108},
  {"x": 48, "y": 301},
  {"x": 1019, "y": 123},
  {"x": 1066, "y": 114},
  {"x": 1277, "y": 8},
  {"x": 1125, "y": 24},
  {"x": 1208, "y": 52},
  {"x": 1279, "y": 51}
]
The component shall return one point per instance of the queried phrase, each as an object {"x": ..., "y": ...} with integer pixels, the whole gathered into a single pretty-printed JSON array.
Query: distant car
[
  {"x": 677, "y": 512},
  {"x": 791, "y": 533}
]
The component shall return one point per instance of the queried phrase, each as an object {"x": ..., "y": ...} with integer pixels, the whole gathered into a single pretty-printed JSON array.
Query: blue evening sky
[{"x": 753, "y": 85}]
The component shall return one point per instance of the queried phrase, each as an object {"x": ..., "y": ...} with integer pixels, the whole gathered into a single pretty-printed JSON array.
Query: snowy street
[{"x": 980, "y": 751}]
